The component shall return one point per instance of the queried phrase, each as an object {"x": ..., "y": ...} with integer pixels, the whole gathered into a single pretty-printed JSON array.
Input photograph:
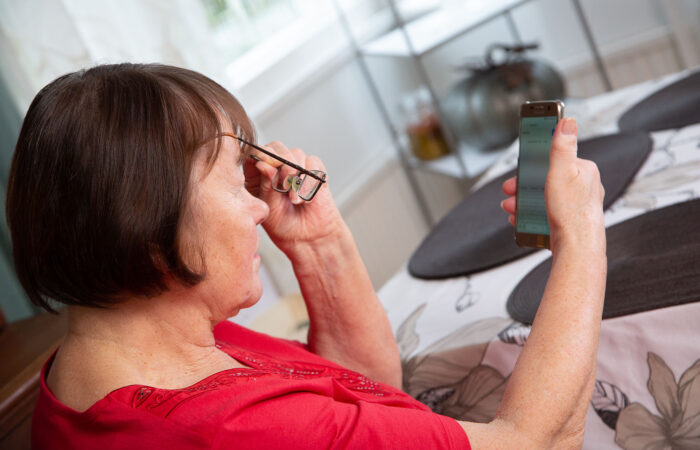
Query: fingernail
[
  {"x": 502, "y": 202},
  {"x": 569, "y": 126}
]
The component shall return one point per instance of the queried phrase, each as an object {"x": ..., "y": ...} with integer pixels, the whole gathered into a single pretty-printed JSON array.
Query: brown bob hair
[{"x": 99, "y": 182}]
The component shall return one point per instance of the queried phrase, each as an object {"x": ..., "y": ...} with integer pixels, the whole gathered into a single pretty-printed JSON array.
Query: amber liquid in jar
[{"x": 426, "y": 138}]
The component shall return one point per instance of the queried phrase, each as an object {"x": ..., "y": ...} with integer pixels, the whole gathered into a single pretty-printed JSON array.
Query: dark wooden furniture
[{"x": 24, "y": 347}]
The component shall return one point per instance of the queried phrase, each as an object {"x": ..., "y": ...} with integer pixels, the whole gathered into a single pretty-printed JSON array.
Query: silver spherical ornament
[{"x": 483, "y": 109}]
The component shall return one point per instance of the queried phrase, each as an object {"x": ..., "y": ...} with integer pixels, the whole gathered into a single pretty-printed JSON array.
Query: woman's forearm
[
  {"x": 549, "y": 390},
  {"x": 348, "y": 324},
  {"x": 556, "y": 370}
]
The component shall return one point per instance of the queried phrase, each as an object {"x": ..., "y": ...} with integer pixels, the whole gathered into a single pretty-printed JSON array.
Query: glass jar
[{"x": 422, "y": 126}]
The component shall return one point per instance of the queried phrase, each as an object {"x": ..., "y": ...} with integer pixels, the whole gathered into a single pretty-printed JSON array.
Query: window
[{"x": 240, "y": 25}]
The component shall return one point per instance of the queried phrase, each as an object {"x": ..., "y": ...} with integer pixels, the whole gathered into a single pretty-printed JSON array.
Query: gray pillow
[
  {"x": 653, "y": 262},
  {"x": 476, "y": 235},
  {"x": 673, "y": 106}
]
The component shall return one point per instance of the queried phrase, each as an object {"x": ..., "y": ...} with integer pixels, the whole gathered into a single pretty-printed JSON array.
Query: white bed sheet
[{"x": 459, "y": 345}]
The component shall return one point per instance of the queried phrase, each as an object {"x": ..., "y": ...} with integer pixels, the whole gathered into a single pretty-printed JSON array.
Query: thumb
[
  {"x": 266, "y": 173},
  {"x": 564, "y": 143}
]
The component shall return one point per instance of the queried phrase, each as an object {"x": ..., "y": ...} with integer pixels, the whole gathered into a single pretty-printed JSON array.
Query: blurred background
[{"x": 408, "y": 102}]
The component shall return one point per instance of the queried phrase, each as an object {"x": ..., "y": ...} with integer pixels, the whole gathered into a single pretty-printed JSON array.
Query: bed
[{"x": 458, "y": 344}]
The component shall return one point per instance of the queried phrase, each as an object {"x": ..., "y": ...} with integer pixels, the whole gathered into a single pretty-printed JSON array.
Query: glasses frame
[
  {"x": 321, "y": 178},
  {"x": 301, "y": 170}
]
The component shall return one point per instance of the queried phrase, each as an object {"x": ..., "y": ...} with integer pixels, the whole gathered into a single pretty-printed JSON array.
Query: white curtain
[
  {"x": 12, "y": 300},
  {"x": 43, "y": 39}
]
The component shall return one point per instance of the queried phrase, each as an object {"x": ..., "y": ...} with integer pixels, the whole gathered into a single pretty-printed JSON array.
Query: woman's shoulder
[
  {"x": 285, "y": 387},
  {"x": 110, "y": 422}
]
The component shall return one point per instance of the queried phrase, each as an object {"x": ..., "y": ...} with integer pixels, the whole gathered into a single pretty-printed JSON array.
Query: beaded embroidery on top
[{"x": 260, "y": 366}]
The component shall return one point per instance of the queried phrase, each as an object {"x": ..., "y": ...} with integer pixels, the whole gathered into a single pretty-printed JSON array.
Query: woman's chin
[{"x": 253, "y": 298}]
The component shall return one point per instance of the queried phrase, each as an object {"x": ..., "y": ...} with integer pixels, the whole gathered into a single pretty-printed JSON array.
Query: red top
[{"x": 288, "y": 398}]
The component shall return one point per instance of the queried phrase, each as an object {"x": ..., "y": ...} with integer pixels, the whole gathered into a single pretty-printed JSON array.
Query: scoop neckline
[{"x": 89, "y": 412}]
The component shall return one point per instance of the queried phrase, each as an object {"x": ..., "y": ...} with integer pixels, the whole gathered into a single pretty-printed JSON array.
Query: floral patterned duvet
[{"x": 458, "y": 344}]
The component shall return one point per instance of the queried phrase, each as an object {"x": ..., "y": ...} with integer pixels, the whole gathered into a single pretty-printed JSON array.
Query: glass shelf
[
  {"x": 476, "y": 162},
  {"x": 438, "y": 27}
]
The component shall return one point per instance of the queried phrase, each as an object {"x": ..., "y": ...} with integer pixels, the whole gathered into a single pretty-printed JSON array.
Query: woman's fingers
[
  {"x": 277, "y": 148},
  {"x": 573, "y": 193},
  {"x": 267, "y": 159},
  {"x": 277, "y": 172},
  {"x": 282, "y": 176},
  {"x": 252, "y": 176},
  {"x": 281, "y": 150},
  {"x": 510, "y": 186},
  {"x": 314, "y": 163},
  {"x": 264, "y": 168},
  {"x": 299, "y": 158},
  {"x": 261, "y": 169},
  {"x": 508, "y": 205},
  {"x": 564, "y": 150}
]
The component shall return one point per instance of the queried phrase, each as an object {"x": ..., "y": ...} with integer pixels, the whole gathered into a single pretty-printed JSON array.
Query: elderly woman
[{"x": 134, "y": 198}]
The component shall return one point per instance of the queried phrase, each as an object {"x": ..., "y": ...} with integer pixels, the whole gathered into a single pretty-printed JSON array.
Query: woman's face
[{"x": 222, "y": 227}]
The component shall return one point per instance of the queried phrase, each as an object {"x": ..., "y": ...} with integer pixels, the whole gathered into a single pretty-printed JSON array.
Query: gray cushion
[
  {"x": 653, "y": 262},
  {"x": 476, "y": 235},
  {"x": 673, "y": 106}
]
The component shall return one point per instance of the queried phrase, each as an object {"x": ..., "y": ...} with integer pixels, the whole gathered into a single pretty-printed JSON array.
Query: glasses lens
[
  {"x": 281, "y": 180},
  {"x": 309, "y": 185}
]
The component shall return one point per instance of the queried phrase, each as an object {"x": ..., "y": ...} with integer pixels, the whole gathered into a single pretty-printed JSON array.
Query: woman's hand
[
  {"x": 292, "y": 221},
  {"x": 573, "y": 194},
  {"x": 347, "y": 323},
  {"x": 555, "y": 371}
]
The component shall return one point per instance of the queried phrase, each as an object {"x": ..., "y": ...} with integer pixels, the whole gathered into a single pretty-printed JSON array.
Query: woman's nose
[{"x": 260, "y": 209}]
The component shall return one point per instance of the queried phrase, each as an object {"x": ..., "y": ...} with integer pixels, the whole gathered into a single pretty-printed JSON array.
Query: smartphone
[{"x": 537, "y": 123}]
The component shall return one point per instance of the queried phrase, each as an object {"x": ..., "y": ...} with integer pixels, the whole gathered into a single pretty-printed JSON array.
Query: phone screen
[{"x": 535, "y": 141}]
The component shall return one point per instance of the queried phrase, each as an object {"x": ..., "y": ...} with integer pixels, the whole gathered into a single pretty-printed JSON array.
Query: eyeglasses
[{"x": 305, "y": 183}]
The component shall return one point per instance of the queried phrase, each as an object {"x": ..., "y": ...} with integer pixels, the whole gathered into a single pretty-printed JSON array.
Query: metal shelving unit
[{"x": 414, "y": 40}]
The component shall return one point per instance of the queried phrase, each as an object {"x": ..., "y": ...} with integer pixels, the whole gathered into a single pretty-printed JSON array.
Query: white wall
[
  {"x": 555, "y": 26},
  {"x": 336, "y": 119},
  {"x": 684, "y": 16}
]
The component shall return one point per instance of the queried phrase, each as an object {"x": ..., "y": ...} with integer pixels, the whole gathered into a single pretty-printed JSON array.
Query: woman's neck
[
  {"x": 165, "y": 342},
  {"x": 164, "y": 325}
]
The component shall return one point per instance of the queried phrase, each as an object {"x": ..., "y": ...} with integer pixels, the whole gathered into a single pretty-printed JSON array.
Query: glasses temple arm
[{"x": 282, "y": 160}]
